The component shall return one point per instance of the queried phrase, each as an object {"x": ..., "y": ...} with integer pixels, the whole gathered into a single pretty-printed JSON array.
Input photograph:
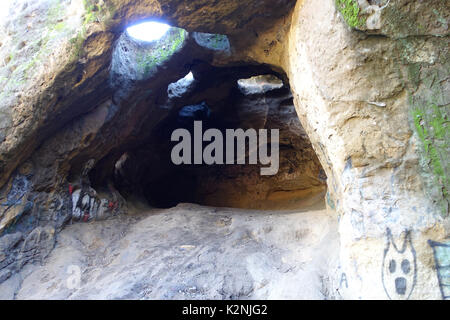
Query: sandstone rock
[
  {"x": 362, "y": 100},
  {"x": 259, "y": 84},
  {"x": 372, "y": 155},
  {"x": 181, "y": 87},
  {"x": 205, "y": 253}
]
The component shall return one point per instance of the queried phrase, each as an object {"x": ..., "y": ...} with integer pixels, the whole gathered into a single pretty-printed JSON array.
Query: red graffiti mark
[
  {"x": 113, "y": 205},
  {"x": 86, "y": 217},
  {"x": 70, "y": 189}
]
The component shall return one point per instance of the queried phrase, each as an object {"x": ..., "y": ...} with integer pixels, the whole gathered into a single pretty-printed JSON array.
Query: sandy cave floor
[{"x": 187, "y": 252}]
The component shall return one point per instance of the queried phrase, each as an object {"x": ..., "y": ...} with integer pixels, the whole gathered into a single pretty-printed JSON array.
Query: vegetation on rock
[
  {"x": 430, "y": 116},
  {"x": 161, "y": 51},
  {"x": 351, "y": 12}
]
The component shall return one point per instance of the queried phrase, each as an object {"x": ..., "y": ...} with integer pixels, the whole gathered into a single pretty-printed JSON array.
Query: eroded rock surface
[
  {"x": 190, "y": 252},
  {"x": 370, "y": 131},
  {"x": 219, "y": 102},
  {"x": 370, "y": 86}
]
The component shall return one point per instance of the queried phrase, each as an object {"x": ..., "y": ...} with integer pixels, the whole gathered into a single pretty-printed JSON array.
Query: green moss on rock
[
  {"x": 96, "y": 11},
  {"x": 161, "y": 51},
  {"x": 351, "y": 13},
  {"x": 425, "y": 65},
  {"x": 430, "y": 117},
  {"x": 432, "y": 130}
]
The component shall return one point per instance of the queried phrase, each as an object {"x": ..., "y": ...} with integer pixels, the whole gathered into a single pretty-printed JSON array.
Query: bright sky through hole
[
  {"x": 148, "y": 31},
  {"x": 189, "y": 76}
]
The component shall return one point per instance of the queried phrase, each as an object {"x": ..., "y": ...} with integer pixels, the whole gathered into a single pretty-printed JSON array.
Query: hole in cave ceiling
[{"x": 148, "y": 31}]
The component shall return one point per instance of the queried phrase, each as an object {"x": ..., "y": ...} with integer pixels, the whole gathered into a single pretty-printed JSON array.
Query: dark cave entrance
[{"x": 232, "y": 97}]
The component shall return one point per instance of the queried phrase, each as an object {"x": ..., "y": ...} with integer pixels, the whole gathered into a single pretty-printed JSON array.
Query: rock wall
[
  {"x": 367, "y": 100},
  {"x": 370, "y": 81}
]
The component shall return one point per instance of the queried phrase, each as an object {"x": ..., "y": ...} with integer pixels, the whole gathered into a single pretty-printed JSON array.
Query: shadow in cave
[{"x": 246, "y": 97}]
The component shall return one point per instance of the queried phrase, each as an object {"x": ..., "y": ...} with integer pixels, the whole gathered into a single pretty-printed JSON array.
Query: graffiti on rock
[
  {"x": 399, "y": 269},
  {"x": 442, "y": 261}
]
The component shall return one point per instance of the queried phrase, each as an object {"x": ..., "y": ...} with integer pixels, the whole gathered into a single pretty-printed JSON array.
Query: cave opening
[
  {"x": 148, "y": 31},
  {"x": 147, "y": 171},
  {"x": 174, "y": 83}
]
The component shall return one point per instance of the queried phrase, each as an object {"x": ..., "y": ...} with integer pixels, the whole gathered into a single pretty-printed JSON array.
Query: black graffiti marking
[
  {"x": 400, "y": 285},
  {"x": 400, "y": 282},
  {"x": 442, "y": 268},
  {"x": 406, "y": 266},
  {"x": 392, "y": 266}
]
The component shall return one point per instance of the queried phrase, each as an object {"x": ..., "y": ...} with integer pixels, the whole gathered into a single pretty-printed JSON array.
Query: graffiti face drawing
[{"x": 399, "y": 271}]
